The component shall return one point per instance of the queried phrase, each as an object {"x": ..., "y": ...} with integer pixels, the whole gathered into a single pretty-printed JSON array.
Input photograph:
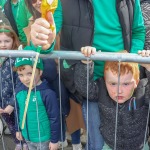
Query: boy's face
[
  {"x": 26, "y": 73},
  {"x": 126, "y": 87}
]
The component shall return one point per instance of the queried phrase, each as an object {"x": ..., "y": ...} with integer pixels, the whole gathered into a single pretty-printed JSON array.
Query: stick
[{"x": 30, "y": 88}]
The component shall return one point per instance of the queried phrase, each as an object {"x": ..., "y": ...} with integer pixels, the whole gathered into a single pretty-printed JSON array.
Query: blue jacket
[{"x": 51, "y": 75}]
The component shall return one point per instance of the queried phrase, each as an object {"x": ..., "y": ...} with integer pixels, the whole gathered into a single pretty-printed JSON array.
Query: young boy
[
  {"x": 132, "y": 97},
  {"x": 43, "y": 109}
]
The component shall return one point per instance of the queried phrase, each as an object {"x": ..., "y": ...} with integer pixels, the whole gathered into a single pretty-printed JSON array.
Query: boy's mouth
[{"x": 119, "y": 97}]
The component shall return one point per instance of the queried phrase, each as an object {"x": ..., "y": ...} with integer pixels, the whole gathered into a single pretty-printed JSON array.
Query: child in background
[
  {"x": 8, "y": 41},
  {"x": 43, "y": 101},
  {"x": 132, "y": 97}
]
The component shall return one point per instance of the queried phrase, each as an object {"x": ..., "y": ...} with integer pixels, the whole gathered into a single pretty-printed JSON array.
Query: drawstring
[{"x": 132, "y": 101}]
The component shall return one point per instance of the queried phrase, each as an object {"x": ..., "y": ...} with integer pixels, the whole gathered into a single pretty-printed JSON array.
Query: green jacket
[
  {"x": 42, "y": 119},
  {"x": 22, "y": 20},
  {"x": 107, "y": 32}
]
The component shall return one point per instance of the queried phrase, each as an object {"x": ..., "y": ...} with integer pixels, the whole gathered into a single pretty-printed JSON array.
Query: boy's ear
[
  {"x": 137, "y": 82},
  {"x": 41, "y": 72}
]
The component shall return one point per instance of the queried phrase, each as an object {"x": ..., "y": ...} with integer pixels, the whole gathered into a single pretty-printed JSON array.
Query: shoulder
[
  {"x": 20, "y": 87},
  {"x": 46, "y": 90},
  {"x": 142, "y": 83}
]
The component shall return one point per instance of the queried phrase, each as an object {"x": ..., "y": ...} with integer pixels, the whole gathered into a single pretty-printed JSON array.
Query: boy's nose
[
  {"x": 120, "y": 89},
  {"x": 25, "y": 78}
]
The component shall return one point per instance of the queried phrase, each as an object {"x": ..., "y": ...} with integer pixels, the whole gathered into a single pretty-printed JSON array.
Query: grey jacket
[{"x": 131, "y": 124}]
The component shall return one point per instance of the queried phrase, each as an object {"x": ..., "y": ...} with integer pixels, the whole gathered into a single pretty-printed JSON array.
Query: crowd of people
[{"x": 86, "y": 26}]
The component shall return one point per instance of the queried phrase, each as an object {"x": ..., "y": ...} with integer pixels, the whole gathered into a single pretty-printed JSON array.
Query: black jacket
[
  {"x": 78, "y": 31},
  {"x": 9, "y": 15}
]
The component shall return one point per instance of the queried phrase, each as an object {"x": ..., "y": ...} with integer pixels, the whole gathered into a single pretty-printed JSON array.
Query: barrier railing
[{"x": 75, "y": 55}]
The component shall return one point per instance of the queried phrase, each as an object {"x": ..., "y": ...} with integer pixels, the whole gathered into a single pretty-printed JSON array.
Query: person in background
[
  {"x": 2, "y": 3},
  {"x": 3, "y": 19},
  {"x": 34, "y": 8},
  {"x": 8, "y": 79},
  {"x": 18, "y": 15}
]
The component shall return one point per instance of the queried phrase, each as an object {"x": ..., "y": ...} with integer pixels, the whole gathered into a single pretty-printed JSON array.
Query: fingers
[
  {"x": 88, "y": 51},
  {"x": 1, "y": 111},
  {"x": 19, "y": 136},
  {"x": 144, "y": 53},
  {"x": 40, "y": 27},
  {"x": 53, "y": 146},
  {"x": 9, "y": 109},
  {"x": 50, "y": 18},
  {"x": 42, "y": 22},
  {"x": 41, "y": 34}
]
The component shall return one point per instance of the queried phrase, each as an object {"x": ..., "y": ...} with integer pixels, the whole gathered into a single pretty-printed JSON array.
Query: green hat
[{"x": 28, "y": 61}]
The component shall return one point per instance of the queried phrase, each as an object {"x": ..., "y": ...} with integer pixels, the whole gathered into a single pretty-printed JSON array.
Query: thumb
[{"x": 50, "y": 19}]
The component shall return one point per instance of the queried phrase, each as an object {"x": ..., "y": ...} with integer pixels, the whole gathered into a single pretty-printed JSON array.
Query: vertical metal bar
[
  {"x": 14, "y": 94},
  {"x": 37, "y": 108},
  {"x": 60, "y": 103},
  {"x": 87, "y": 128},
  {"x": 145, "y": 137},
  {"x": 116, "y": 123}
]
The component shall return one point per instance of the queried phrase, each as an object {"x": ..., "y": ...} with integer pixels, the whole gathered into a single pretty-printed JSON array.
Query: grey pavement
[
  {"x": 6, "y": 142},
  {"x": 9, "y": 144}
]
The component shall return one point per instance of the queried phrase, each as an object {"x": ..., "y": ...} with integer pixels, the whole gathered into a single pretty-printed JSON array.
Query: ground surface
[{"x": 9, "y": 144}]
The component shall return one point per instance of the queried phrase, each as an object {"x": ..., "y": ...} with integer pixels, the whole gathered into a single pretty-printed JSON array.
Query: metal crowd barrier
[{"x": 76, "y": 55}]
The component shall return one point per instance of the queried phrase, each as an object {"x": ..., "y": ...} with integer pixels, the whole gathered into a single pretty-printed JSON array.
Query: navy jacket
[{"x": 7, "y": 80}]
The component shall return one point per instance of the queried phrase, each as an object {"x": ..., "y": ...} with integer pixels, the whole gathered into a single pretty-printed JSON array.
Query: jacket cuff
[{"x": 43, "y": 51}]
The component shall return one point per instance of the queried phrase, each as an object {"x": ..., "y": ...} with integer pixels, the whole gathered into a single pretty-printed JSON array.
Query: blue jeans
[
  {"x": 75, "y": 136},
  {"x": 38, "y": 146},
  {"x": 95, "y": 139}
]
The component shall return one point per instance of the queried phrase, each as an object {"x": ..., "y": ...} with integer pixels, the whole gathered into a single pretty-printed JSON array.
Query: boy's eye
[
  {"x": 113, "y": 84},
  {"x": 20, "y": 75},
  {"x": 126, "y": 83},
  {"x": 30, "y": 73}
]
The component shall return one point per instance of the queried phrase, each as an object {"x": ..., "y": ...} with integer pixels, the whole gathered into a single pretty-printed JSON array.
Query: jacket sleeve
[
  {"x": 17, "y": 85},
  {"x": 32, "y": 47},
  {"x": 58, "y": 17},
  {"x": 22, "y": 20},
  {"x": 52, "y": 108},
  {"x": 147, "y": 90},
  {"x": 138, "y": 29},
  {"x": 80, "y": 81},
  {"x": 16, "y": 112}
]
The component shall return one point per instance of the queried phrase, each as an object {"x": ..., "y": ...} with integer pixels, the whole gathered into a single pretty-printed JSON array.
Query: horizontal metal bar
[{"x": 76, "y": 55}]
